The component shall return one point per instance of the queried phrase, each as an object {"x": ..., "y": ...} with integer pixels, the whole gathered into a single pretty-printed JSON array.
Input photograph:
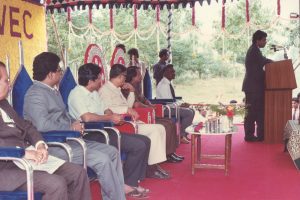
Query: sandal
[
  {"x": 142, "y": 190},
  {"x": 137, "y": 195}
]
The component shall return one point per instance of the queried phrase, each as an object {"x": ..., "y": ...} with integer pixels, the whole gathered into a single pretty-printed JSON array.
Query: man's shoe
[
  {"x": 158, "y": 175},
  {"x": 178, "y": 156},
  {"x": 251, "y": 139},
  {"x": 161, "y": 170},
  {"x": 172, "y": 160},
  {"x": 183, "y": 140},
  {"x": 188, "y": 139},
  {"x": 174, "y": 157},
  {"x": 260, "y": 139}
]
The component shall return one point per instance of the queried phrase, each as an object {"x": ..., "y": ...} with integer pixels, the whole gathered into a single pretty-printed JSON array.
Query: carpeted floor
[{"x": 258, "y": 172}]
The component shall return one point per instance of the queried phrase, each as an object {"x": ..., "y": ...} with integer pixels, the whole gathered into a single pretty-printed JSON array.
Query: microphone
[{"x": 276, "y": 47}]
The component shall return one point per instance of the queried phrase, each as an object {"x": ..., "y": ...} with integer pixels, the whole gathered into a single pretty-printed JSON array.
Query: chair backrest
[
  {"x": 20, "y": 86},
  {"x": 66, "y": 84}
]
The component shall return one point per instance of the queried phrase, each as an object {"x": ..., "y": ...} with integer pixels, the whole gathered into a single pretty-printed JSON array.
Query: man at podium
[{"x": 253, "y": 86}]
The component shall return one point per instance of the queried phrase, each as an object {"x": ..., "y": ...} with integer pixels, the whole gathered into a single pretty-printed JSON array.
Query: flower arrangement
[{"x": 229, "y": 110}]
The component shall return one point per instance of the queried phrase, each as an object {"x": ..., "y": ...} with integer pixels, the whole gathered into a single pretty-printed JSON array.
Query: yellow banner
[{"x": 21, "y": 20}]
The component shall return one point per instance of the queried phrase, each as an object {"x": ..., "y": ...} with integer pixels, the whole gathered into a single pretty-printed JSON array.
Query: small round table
[{"x": 196, "y": 148}]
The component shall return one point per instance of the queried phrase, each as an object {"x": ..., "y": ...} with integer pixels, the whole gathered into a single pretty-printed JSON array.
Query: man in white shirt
[
  {"x": 295, "y": 109},
  {"x": 111, "y": 95},
  {"x": 85, "y": 105},
  {"x": 165, "y": 90}
]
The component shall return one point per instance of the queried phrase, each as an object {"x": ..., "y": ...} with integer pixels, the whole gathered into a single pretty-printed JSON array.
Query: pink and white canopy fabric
[{"x": 145, "y": 4}]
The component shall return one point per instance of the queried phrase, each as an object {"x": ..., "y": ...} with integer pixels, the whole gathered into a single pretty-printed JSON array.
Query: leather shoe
[
  {"x": 161, "y": 170},
  {"x": 178, "y": 156},
  {"x": 188, "y": 139},
  {"x": 158, "y": 175},
  {"x": 251, "y": 139},
  {"x": 260, "y": 139},
  {"x": 183, "y": 140},
  {"x": 170, "y": 159},
  {"x": 175, "y": 157}
]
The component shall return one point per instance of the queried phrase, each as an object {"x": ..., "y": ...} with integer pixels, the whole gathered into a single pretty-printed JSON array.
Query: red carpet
[{"x": 258, "y": 172}]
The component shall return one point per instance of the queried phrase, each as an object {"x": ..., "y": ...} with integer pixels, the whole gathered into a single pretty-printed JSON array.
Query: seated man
[
  {"x": 85, "y": 104},
  {"x": 111, "y": 95},
  {"x": 69, "y": 181},
  {"x": 160, "y": 65},
  {"x": 44, "y": 107},
  {"x": 134, "y": 77},
  {"x": 165, "y": 90},
  {"x": 295, "y": 109}
]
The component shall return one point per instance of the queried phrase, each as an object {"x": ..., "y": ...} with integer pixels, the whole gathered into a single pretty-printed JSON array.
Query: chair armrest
[
  {"x": 59, "y": 136},
  {"x": 98, "y": 125},
  {"x": 103, "y": 125},
  {"x": 16, "y": 154},
  {"x": 147, "y": 115},
  {"x": 66, "y": 133},
  {"x": 12, "y": 152},
  {"x": 117, "y": 133},
  {"x": 162, "y": 101}
]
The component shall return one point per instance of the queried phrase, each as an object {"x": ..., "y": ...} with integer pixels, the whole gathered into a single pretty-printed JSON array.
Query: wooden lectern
[{"x": 279, "y": 83}]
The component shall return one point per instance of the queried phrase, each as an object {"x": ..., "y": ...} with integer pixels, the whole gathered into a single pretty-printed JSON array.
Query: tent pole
[
  {"x": 57, "y": 40},
  {"x": 169, "y": 34}
]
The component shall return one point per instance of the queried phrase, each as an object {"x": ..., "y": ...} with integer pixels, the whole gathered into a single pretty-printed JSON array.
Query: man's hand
[
  {"x": 133, "y": 114},
  {"x": 128, "y": 86},
  {"x": 77, "y": 126},
  {"x": 34, "y": 155},
  {"x": 117, "y": 119},
  {"x": 41, "y": 149}
]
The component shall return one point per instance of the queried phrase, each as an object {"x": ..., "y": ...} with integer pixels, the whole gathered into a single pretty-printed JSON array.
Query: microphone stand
[
  {"x": 275, "y": 48},
  {"x": 285, "y": 53}
]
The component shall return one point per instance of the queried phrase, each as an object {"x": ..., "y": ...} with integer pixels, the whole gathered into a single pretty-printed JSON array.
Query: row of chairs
[{"x": 59, "y": 138}]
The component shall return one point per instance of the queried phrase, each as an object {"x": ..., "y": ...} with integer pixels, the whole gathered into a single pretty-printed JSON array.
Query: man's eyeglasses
[{"x": 59, "y": 69}]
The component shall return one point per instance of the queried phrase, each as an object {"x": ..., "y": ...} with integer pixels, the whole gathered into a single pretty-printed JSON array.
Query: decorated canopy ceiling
[{"x": 145, "y": 4}]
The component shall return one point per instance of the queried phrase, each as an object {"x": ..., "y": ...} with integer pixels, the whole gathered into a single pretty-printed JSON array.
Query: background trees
[{"x": 193, "y": 55}]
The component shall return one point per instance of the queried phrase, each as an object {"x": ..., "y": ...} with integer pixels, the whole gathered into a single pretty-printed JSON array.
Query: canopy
[{"x": 145, "y": 4}]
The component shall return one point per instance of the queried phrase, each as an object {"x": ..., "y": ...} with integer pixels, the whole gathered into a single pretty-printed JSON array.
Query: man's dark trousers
[{"x": 254, "y": 113}]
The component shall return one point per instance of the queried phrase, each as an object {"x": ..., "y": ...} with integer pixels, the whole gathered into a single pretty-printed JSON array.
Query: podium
[{"x": 279, "y": 83}]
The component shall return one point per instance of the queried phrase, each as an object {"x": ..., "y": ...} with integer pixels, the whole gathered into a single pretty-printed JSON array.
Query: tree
[{"x": 237, "y": 43}]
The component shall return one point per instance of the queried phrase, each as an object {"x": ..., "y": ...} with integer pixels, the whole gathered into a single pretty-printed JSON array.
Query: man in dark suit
[
  {"x": 253, "y": 86},
  {"x": 69, "y": 181}
]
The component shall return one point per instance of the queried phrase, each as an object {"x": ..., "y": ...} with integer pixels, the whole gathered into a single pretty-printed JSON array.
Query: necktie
[{"x": 172, "y": 91}]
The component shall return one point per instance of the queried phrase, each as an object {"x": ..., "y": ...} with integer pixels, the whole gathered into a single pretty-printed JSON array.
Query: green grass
[{"x": 211, "y": 90}]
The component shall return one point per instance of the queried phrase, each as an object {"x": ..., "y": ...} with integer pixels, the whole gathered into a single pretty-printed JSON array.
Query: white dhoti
[{"x": 157, "y": 135}]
